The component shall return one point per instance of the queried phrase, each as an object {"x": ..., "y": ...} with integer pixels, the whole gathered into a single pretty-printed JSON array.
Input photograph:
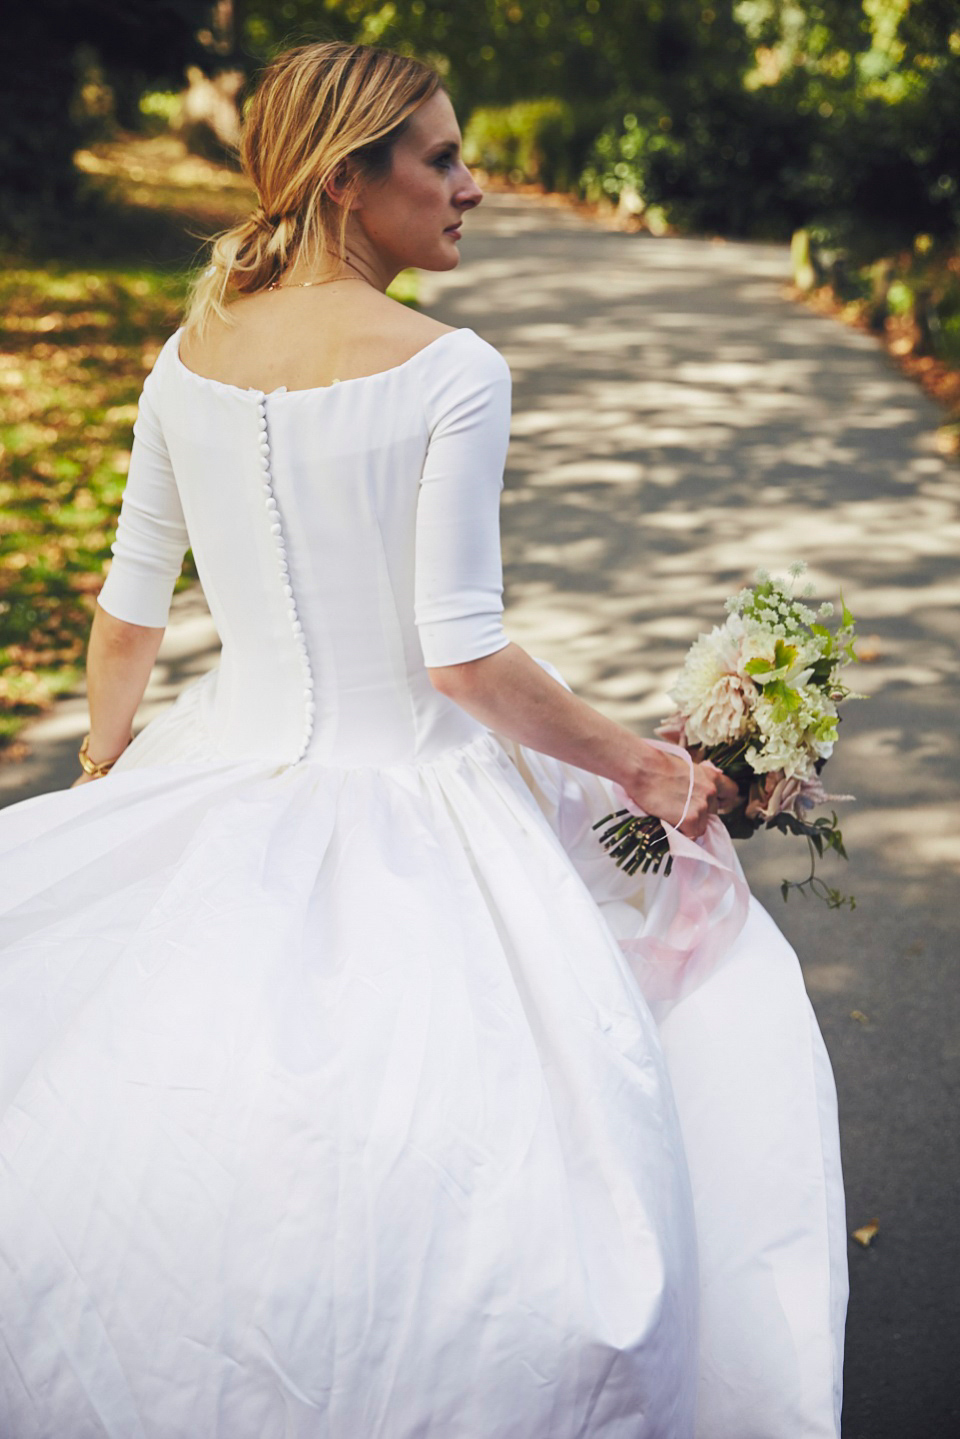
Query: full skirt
[{"x": 332, "y": 1107}]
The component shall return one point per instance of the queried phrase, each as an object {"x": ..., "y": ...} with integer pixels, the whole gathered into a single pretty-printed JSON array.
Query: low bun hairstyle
[{"x": 314, "y": 108}]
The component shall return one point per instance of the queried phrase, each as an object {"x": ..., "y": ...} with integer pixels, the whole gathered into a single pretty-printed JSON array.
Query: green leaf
[
  {"x": 789, "y": 824},
  {"x": 784, "y": 655},
  {"x": 737, "y": 825},
  {"x": 847, "y": 619},
  {"x": 786, "y": 701},
  {"x": 824, "y": 634}
]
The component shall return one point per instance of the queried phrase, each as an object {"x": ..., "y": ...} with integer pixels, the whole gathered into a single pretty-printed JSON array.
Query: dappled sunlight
[
  {"x": 158, "y": 173},
  {"x": 678, "y": 423},
  {"x": 74, "y": 346},
  {"x": 190, "y": 648}
]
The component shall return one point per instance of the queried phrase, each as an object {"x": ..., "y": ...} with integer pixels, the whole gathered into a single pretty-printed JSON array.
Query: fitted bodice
[{"x": 346, "y": 538}]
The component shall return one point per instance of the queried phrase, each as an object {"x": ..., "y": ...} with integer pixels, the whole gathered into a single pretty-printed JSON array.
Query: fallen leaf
[
  {"x": 869, "y": 649},
  {"x": 859, "y": 1016},
  {"x": 867, "y": 1233}
]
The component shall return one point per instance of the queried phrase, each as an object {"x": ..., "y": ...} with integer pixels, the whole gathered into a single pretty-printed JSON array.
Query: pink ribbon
[{"x": 693, "y": 915}]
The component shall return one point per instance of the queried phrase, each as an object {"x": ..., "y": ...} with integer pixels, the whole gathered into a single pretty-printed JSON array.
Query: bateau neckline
[{"x": 310, "y": 389}]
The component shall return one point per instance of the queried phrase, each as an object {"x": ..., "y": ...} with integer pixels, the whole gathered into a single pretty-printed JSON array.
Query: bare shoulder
[
  {"x": 375, "y": 333},
  {"x": 401, "y": 326},
  {"x": 308, "y": 337},
  {"x": 195, "y": 349}
]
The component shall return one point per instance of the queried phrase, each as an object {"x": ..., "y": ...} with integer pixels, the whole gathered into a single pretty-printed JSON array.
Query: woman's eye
[{"x": 443, "y": 162}]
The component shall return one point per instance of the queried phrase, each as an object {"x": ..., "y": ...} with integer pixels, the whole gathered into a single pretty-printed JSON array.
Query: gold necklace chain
[{"x": 306, "y": 284}]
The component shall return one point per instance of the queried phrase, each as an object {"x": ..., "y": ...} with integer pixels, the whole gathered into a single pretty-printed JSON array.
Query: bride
[{"x": 347, "y": 1088}]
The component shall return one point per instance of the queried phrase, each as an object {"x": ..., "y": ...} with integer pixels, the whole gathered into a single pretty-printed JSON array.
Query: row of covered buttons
[{"x": 276, "y": 529}]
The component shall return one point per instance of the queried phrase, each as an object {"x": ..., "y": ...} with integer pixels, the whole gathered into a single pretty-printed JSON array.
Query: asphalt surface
[{"x": 678, "y": 422}]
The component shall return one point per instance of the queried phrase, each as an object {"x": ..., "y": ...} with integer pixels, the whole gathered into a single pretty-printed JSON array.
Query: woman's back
[
  {"x": 344, "y": 533},
  {"x": 305, "y": 337}
]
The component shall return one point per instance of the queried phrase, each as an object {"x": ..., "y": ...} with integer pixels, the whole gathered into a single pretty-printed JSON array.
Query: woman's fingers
[
  {"x": 726, "y": 792},
  {"x": 702, "y": 802},
  {"x": 729, "y": 795},
  {"x": 713, "y": 793}
]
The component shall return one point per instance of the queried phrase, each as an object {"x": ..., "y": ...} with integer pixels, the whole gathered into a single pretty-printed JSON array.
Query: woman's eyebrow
[{"x": 444, "y": 145}]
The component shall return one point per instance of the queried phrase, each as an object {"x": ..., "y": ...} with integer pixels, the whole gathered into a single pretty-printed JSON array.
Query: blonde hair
[{"x": 315, "y": 107}]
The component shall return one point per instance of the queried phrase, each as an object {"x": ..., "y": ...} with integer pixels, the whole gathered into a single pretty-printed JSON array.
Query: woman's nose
[{"x": 469, "y": 193}]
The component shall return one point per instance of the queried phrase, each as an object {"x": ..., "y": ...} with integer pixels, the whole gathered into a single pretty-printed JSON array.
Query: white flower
[
  {"x": 736, "y": 602},
  {"x": 709, "y": 657},
  {"x": 712, "y": 691},
  {"x": 792, "y": 663},
  {"x": 724, "y": 713},
  {"x": 781, "y": 751},
  {"x": 793, "y": 740}
]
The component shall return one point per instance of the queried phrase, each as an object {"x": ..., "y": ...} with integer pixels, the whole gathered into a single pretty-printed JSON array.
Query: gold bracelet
[{"x": 87, "y": 765}]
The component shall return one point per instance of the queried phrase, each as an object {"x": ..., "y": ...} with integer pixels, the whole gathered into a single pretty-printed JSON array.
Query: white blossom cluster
[{"x": 793, "y": 743}]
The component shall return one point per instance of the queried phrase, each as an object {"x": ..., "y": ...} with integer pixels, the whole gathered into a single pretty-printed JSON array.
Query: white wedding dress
[{"x": 331, "y": 1106}]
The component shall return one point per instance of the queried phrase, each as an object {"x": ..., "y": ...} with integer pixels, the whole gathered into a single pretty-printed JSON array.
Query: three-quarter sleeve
[
  {"x": 151, "y": 536},
  {"x": 459, "y": 569}
]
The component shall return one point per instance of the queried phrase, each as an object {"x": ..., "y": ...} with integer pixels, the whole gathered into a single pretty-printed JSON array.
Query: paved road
[{"x": 677, "y": 424}]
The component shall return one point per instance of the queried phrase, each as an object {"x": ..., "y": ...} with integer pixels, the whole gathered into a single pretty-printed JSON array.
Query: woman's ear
[{"x": 341, "y": 187}]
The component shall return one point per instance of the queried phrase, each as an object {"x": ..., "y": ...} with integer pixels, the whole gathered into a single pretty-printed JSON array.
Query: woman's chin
[{"x": 448, "y": 258}]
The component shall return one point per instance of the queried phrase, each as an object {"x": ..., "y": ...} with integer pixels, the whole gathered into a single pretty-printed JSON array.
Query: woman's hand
[
  {"x": 662, "y": 787},
  {"x": 728, "y": 794}
]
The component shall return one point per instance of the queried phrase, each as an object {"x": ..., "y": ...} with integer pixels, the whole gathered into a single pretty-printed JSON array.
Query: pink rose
[{"x": 774, "y": 794}]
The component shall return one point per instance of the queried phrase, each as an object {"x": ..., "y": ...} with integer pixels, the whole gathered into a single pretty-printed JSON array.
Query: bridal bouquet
[{"x": 758, "y": 697}]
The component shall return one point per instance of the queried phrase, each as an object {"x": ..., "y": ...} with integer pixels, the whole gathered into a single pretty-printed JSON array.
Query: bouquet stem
[{"x": 636, "y": 843}]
